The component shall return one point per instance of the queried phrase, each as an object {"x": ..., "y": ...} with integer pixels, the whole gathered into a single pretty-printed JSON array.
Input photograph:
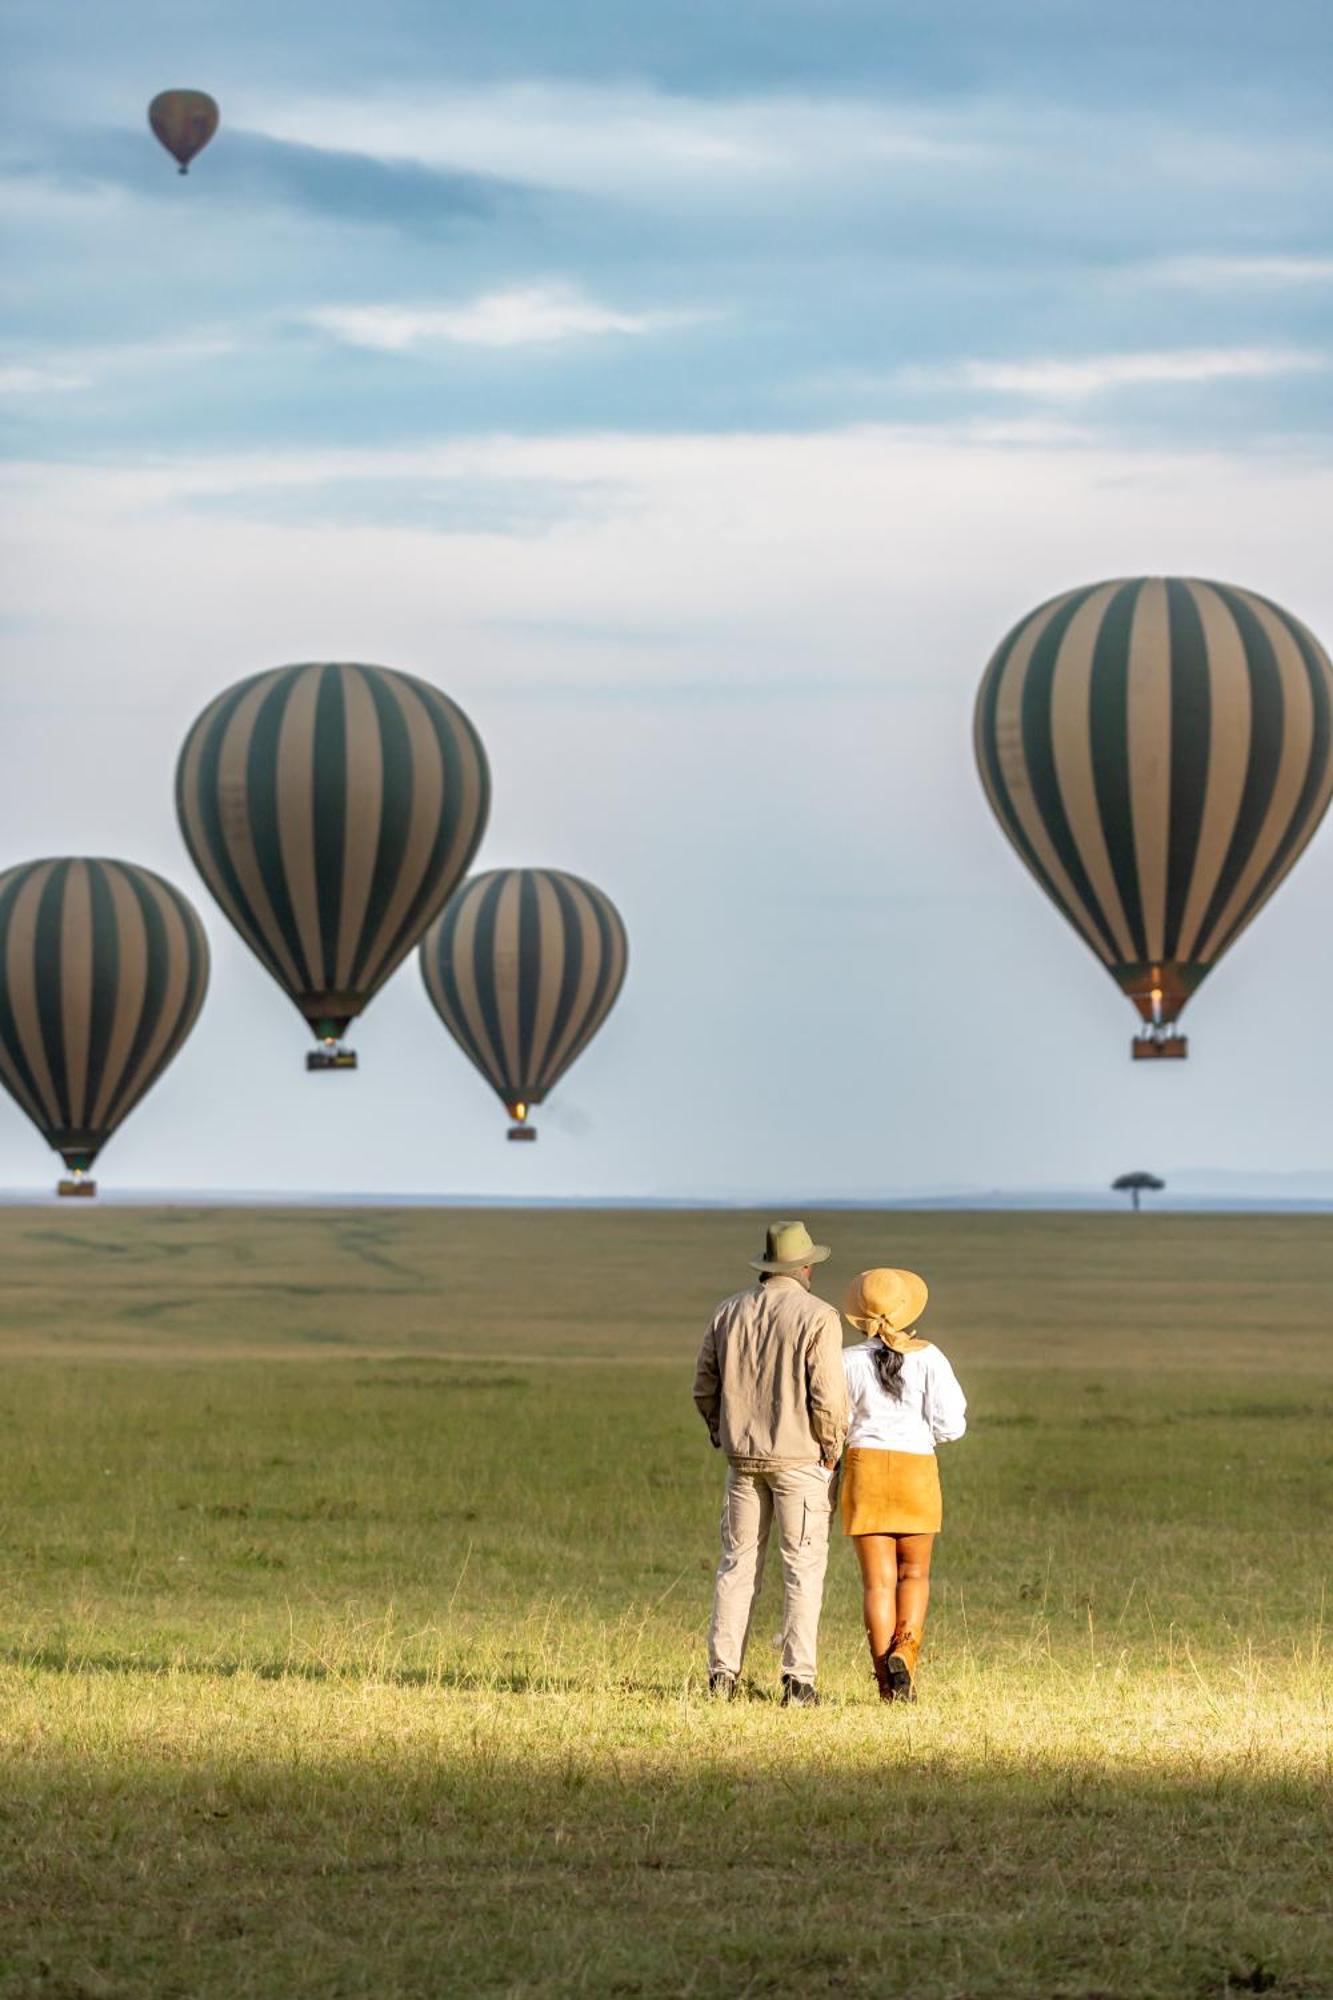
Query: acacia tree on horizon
[{"x": 1136, "y": 1185}]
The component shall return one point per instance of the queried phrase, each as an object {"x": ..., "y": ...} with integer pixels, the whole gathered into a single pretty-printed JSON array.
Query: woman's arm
[{"x": 946, "y": 1405}]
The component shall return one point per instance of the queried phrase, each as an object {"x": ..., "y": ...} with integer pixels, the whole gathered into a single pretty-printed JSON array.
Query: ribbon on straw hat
[{"x": 887, "y": 1303}]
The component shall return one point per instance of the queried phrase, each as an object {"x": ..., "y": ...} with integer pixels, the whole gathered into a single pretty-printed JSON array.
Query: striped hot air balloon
[
  {"x": 103, "y": 970},
  {"x": 183, "y": 121},
  {"x": 1159, "y": 752},
  {"x": 332, "y": 810},
  {"x": 523, "y": 967}
]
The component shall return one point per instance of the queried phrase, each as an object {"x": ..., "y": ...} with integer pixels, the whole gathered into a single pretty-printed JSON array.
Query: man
[{"x": 770, "y": 1387}]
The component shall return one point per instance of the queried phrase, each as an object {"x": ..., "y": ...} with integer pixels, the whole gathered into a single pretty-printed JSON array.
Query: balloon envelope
[
  {"x": 184, "y": 121},
  {"x": 103, "y": 970},
  {"x": 523, "y": 967},
  {"x": 1159, "y": 750},
  {"x": 332, "y": 810}
]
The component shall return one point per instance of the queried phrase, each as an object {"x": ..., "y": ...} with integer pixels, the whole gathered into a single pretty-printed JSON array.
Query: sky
[{"x": 697, "y": 394}]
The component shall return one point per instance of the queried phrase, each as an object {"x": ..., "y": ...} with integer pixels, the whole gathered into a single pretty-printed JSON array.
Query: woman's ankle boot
[
  {"x": 882, "y": 1682},
  {"x": 900, "y": 1664}
]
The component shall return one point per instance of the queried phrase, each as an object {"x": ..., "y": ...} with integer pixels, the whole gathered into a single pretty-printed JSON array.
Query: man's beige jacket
[{"x": 769, "y": 1384}]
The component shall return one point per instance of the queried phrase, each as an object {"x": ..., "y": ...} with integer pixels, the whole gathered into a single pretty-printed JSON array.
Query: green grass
[{"x": 354, "y": 1570}]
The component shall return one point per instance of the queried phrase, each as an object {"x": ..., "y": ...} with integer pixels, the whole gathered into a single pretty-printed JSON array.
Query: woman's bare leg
[
  {"x": 911, "y": 1596},
  {"x": 878, "y": 1557}
]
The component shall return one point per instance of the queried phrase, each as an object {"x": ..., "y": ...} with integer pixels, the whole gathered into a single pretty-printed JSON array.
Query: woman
[{"x": 903, "y": 1399}]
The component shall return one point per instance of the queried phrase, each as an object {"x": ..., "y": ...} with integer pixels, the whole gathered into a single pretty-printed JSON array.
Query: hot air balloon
[
  {"x": 1159, "y": 752},
  {"x": 103, "y": 970},
  {"x": 332, "y": 810},
  {"x": 523, "y": 967},
  {"x": 184, "y": 121}
]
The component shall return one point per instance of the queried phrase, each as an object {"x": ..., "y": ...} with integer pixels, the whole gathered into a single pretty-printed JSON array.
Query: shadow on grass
[
  {"x": 499, "y": 1680},
  {"x": 73, "y": 1660},
  {"x": 707, "y": 1868}
]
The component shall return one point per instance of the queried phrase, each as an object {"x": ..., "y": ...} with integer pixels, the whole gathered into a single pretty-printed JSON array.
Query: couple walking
[{"x": 789, "y": 1406}]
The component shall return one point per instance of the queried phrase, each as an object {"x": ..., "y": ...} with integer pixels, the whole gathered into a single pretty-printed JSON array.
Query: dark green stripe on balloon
[
  {"x": 1191, "y": 747},
  {"x": 329, "y": 806},
  {"x": 1109, "y": 724}
]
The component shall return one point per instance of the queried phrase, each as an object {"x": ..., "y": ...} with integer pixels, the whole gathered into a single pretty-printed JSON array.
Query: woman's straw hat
[
  {"x": 789, "y": 1248},
  {"x": 887, "y": 1303}
]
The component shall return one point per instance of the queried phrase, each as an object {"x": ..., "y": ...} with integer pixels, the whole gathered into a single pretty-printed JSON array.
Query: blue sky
[{"x": 697, "y": 394}]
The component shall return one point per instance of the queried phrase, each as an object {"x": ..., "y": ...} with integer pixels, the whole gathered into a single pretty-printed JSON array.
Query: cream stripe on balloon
[
  {"x": 233, "y": 811},
  {"x": 364, "y": 812},
  {"x": 1318, "y": 666},
  {"x": 589, "y": 973},
  {"x": 1014, "y": 771},
  {"x": 176, "y": 987},
  {"x": 1228, "y": 757},
  {"x": 1293, "y": 767},
  {"x": 20, "y": 976},
  {"x": 462, "y": 958},
  {"x": 197, "y": 840},
  {"x": 132, "y": 947},
  {"x": 1071, "y": 743},
  {"x": 504, "y": 970},
  {"x": 551, "y": 960},
  {"x": 425, "y": 806},
  {"x": 612, "y": 961},
  {"x": 1148, "y": 701},
  {"x": 8, "y": 1068},
  {"x": 296, "y": 821},
  {"x": 436, "y": 988},
  {"x": 76, "y": 987},
  {"x": 468, "y": 804}
]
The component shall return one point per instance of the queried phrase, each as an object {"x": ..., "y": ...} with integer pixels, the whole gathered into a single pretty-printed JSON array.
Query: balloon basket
[
  {"x": 1160, "y": 1048},
  {"x": 317, "y": 1059},
  {"x": 522, "y": 1132},
  {"x": 80, "y": 1185}
]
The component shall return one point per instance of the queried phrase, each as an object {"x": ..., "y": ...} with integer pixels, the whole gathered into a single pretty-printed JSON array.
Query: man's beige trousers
[{"x": 799, "y": 1499}]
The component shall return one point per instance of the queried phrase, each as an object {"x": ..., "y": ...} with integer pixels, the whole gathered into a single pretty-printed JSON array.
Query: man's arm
[
  {"x": 708, "y": 1387},
  {"x": 826, "y": 1389}
]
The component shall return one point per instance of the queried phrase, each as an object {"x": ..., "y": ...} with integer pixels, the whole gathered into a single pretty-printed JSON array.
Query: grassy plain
[{"x": 354, "y": 1568}]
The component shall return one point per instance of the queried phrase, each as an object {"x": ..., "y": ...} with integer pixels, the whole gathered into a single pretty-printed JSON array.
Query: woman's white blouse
[{"x": 931, "y": 1410}]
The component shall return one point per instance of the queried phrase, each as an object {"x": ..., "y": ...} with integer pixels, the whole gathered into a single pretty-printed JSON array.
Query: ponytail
[{"x": 888, "y": 1368}]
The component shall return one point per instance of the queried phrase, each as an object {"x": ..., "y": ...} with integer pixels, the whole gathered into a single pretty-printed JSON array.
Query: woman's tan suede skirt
[{"x": 891, "y": 1493}]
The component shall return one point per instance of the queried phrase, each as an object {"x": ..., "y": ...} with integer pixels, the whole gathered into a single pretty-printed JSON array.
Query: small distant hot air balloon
[
  {"x": 1159, "y": 750},
  {"x": 332, "y": 810},
  {"x": 103, "y": 970},
  {"x": 184, "y": 121},
  {"x": 523, "y": 967}
]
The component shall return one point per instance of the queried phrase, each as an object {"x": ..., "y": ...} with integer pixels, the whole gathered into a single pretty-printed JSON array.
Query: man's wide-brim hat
[
  {"x": 789, "y": 1247},
  {"x": 887, "y": 1303}
]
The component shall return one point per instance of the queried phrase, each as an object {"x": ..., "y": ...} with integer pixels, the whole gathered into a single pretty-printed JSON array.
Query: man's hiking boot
[
  {"x": 722, "y": 1685},
  {"x": 798, "y": 1694}
]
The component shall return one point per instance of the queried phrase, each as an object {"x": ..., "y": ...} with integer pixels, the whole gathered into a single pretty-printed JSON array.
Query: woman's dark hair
[{"x": 888, "y": 1367}]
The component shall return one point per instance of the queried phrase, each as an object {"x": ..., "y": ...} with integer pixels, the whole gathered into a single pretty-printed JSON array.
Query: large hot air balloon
[
  {"x": 332, "y": 810},
  {"x": 184, "y": 121},
  {"x": 103, "y": 970},
  {"x": 523, "y": 967},
  {"x": 1159, "y": 752}
]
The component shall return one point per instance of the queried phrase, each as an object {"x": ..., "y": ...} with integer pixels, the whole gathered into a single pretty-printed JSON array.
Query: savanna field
[{"x": 354, "y": 1570}]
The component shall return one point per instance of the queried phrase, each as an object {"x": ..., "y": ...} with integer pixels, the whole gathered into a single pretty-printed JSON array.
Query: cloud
[
  {"x": 618, "y": 139},
  {"x": 41, "y": 379},
  {"x": 1222, "y": 273},
  {"x": 259, "y": 170},
  {"x": 535, "y": 315},
  {"x": 1062, "y": 380},
  {"x": 72, "y": 369}
]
